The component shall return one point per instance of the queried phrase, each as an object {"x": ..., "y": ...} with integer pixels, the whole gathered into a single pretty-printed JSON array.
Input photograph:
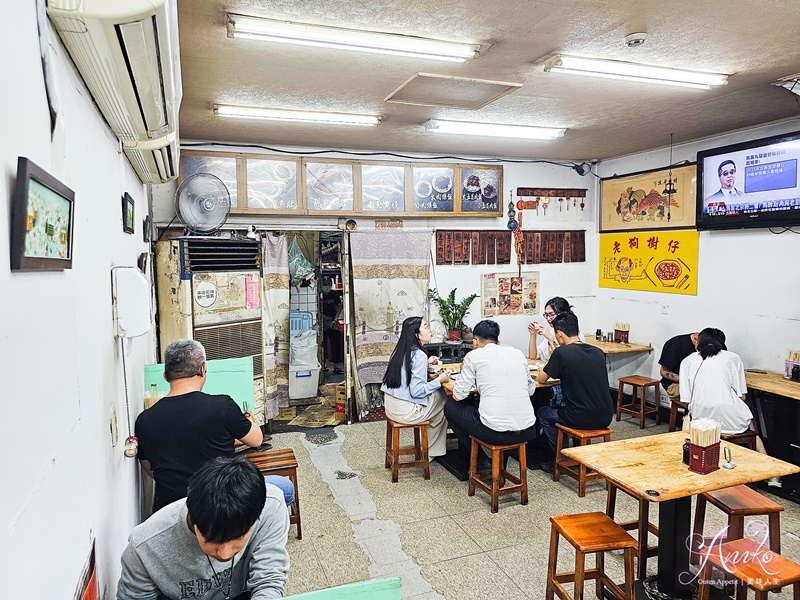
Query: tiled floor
[{"x": 357, "y": 525}]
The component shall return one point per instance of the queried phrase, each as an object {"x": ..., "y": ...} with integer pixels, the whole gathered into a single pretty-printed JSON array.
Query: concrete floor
[{"x": 358, "y": 525}]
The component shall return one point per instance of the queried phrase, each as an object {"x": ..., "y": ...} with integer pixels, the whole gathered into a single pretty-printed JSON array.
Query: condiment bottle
[
  {"x": 131, "y": 446},
  {"x": 686, "y": 451}
]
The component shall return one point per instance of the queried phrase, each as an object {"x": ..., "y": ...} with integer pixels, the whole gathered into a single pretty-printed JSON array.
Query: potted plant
[{"x": 452, "y": 312}]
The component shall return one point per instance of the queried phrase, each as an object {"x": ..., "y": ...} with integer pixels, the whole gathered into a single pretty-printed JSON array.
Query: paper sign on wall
[
  {"x": 650, "y": 261},
  {"x": 508, "y": 294}
]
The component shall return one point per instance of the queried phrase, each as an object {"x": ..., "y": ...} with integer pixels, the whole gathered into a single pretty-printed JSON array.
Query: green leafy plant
[{"x": 451, "y": 311}]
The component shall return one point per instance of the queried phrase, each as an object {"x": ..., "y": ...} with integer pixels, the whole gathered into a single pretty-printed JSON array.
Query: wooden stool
[
  {"x": 419, "y": 449},
  {"x": 637, "y": 382},
  {"x": 281, "y": 462},
  {"x": 493, "y": 486},
  {"x": 673, "y": 412},
  {"x": 750, "y": 571},
  {"x": 567, "y": 465},
  {"x": 746, "y": 438},
  {"x": 642, "y": 525},
  {"x": 588, "y": 533},
  {"x": 737, "y": 502}
]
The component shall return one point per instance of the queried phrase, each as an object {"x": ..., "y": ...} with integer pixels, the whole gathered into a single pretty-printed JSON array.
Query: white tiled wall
[{"x": 304, "y": 298}]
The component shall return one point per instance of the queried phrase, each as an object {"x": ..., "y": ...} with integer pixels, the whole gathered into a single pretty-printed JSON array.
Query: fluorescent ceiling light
[
  {"x": 241, "y": 26},
  {"x": 615, "y": 69},
  {"x": 305, "y": 116},
  {"x": 493, "y": 130}
]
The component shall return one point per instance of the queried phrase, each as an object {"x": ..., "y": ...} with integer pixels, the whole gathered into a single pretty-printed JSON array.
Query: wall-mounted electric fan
[{"x": 202, "y": 203}]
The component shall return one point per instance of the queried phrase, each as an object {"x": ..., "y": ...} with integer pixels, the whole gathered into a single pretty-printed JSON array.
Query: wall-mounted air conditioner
[{"x": 127, "y": 53}]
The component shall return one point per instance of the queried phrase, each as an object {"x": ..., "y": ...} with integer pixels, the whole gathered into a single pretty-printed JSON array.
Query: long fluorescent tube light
[
  {"x": 304, "y": 116},
  {"x": 271, "y": 30},
  {"x": 494, "y": 130},
  {"x": 615, "y": 69}
]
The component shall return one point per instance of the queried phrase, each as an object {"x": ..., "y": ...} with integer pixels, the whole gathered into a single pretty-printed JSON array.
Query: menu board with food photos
[
  {"x": 480, "y": 189},
  {"x": 433, "y": 189},
  {"x": 382, "y": 188},
  {"x": 329, "y": 186},
  {"x": 509, "y": 294}
]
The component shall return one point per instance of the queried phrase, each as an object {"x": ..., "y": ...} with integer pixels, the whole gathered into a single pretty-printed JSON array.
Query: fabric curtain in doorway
[
  {"x": 390, "y": 283},
  {"x": 275, "y": 319}
]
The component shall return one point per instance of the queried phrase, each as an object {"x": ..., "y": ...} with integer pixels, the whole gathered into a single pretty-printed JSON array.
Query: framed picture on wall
[
  {"x": 638, "y": 201},
  {"x": 127, "y": 213},
  {"x": 42, "y": 220}
]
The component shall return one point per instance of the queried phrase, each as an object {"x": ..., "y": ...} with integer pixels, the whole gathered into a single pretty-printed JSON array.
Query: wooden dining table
[
  {"x": 651, "y": 468},
  {"x": 616, "y": 347},
  {"x": 434, "y": 371}
]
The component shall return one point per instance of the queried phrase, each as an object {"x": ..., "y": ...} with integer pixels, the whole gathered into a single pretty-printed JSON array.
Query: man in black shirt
[
  {"x": 584, "y": 384},
  {"x": 187, "y": 428},
  {"x": 673, "y": 353},
  {"x": 332, "y": 308}
]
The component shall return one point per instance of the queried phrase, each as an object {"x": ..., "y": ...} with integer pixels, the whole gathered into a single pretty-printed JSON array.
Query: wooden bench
[{"x": 281, "y": 462}]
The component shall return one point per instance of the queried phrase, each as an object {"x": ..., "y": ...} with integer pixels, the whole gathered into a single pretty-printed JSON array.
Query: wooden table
[
  {"x": 653, "y": 464},
  {"x": 448, "y": 386},
  {"x": 781, "y": 438},
  {"x": 616, "y": 348}
]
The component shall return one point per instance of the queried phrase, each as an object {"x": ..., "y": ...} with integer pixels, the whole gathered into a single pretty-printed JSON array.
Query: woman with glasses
[{"x": 542, "y": 337}]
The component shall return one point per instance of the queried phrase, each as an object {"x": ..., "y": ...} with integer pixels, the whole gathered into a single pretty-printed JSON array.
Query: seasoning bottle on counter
[{"x": 686, "y": 451}]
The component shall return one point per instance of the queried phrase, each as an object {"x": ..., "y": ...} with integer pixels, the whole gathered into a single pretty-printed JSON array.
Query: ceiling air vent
[{"x": 425, "y": 89}]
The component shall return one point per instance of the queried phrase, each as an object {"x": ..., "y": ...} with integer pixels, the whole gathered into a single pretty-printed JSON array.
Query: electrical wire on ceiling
[{"x": 582, "y": 168}]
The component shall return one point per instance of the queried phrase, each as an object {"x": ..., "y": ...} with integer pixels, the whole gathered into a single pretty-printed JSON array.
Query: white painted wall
[
  {"x": 61, "y": 367},
  {"x": 748, "y": 280}
]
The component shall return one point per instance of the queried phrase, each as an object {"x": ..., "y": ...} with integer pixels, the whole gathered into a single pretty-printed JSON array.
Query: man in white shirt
[
  {"x": 727, "y": 177},
  {"x": 501, "y": 376}
]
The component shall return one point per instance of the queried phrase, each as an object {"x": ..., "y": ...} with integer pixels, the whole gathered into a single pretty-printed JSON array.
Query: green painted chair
[{"x": 373, "y": 589}]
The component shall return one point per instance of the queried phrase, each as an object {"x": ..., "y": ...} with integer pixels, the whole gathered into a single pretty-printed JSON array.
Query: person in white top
[
  {"x": 542, "y": 340},
  {"x": 501, "y": 376},
  {"x": 714, "y": 386}
]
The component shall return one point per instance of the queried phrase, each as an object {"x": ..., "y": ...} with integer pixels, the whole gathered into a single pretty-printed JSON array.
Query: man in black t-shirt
[
  {"x": 584, "y": 384},
  {"x": 332, "y": 308},
  {"x": 672, "y": 354},
  {"x": 187, "y": 428}
]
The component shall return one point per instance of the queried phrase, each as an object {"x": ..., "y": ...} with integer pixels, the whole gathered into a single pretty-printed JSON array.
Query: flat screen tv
[{"x": 752, "y": 184}]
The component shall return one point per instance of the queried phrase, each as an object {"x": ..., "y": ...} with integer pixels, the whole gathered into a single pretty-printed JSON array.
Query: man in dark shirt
[
  {"x": 187, "y": 428},
  {"x": 673, "y": 353},
  {"x": 584, "y": 384},
  {"x": 332, "y": 308}
]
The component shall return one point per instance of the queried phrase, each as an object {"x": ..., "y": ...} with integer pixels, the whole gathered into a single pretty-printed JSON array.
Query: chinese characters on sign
[{"x": 652, "y": 261}]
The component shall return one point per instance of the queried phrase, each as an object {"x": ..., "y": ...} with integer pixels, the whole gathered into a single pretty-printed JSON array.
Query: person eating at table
[
  {"x": 713, "y": 384},
  {"x": 501, "y": 376},
  {"x": 581, "y": 368},
  {"x": 408, "y": 396},
  {"x": 542, "y": 339}
]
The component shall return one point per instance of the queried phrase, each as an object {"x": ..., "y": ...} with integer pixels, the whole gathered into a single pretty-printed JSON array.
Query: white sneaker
[{"x": 774, "y": 482}]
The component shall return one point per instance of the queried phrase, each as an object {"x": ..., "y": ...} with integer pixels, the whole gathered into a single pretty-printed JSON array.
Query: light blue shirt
[{"x": 419, "y": 388}]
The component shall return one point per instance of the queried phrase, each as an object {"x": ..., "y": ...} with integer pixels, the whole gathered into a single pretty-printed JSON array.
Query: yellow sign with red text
[{"x": 650, "y": 261}]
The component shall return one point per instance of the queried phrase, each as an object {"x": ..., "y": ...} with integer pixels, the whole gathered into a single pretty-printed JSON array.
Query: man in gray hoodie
[{"x": 225, "y": 541}]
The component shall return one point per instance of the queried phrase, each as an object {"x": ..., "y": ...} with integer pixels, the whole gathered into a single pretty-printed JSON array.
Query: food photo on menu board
[
  {"x": 433, "y": 189},
  {"x": 480, "y": 190},
  {"x": 509, "y": 294}
]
